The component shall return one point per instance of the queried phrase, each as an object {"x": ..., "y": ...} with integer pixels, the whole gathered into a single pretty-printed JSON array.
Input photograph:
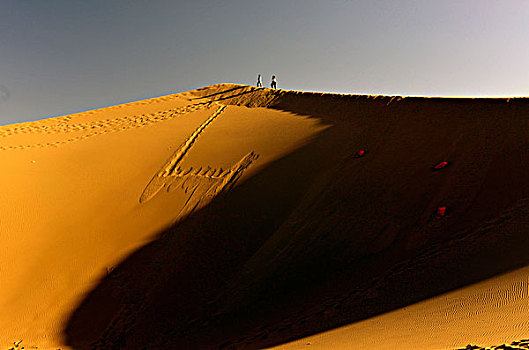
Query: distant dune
[{"x": 237, "y": 217}]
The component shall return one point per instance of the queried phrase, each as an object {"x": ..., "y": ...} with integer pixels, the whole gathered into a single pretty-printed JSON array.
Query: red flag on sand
[
  {"x": 440, "y": 165},
  {"x": 440, "y": 213},
  {"x": 360, "y": 154}
]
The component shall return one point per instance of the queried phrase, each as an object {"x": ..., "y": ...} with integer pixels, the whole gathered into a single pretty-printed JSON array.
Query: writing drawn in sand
[{"x": 202, "y": 184}]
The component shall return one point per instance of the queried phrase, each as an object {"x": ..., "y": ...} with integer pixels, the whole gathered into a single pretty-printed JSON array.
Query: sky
[{"x": 65, "y": 56}]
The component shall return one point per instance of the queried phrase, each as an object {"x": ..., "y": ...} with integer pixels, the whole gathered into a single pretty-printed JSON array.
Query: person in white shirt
[
  {"x": 273, "y": 84},
  {"x": 259, "y": 81}
]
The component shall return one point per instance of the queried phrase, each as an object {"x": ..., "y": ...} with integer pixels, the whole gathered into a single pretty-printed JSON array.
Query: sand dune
[
  {"x": 490, "y": 312},
  {"x": 237, "y": 217}
]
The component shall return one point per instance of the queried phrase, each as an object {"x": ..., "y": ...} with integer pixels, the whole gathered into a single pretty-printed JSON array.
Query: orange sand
[
  {"x": 237, "y": 217},
  {"x": 490, "y": 312}
]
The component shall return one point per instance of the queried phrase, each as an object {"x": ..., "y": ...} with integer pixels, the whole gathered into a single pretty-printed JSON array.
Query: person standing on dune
[
  {"x": 259, "y": 81},
  {"x": 273, "y": 84}
]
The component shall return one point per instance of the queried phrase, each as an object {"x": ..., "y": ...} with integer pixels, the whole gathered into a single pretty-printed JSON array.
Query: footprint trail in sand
[
  {"x": 62, "y": 126},
  {"x": 201, "y": 184}
]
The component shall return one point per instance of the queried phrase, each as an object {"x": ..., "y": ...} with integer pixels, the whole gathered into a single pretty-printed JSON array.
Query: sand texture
[{"x": 237, "y": 217}]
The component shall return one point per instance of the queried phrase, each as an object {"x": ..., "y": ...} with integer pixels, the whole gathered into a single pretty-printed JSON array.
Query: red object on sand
[
  {"x": 440, "y": 165},
  {"x": 441, "y": 212},
  {"x": 360, "y": 154}
]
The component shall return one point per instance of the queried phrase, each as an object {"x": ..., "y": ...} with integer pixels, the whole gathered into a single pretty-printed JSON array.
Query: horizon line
[{"x": 251, "y": 85}]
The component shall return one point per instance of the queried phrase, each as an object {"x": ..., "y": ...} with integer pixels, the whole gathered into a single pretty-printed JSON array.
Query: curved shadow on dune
[
  {"x": 174, "y": 279},
  {"x": 314, "y": 241}
]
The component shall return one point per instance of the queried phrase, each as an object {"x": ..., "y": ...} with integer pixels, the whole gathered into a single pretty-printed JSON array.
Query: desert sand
[{"x": 244, "y": 218}]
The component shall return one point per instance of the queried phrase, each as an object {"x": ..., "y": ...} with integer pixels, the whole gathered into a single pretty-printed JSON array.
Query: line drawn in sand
[{"x": 201, "y": 184}]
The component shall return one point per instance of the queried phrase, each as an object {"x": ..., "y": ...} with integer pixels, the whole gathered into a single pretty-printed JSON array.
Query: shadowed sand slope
[
  {"x": 490, "y": 312},
  {"x": 237, "y": 217}
]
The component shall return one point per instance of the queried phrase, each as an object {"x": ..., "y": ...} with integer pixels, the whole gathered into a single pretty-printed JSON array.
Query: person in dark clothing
[{"x": 273, "y": 83}]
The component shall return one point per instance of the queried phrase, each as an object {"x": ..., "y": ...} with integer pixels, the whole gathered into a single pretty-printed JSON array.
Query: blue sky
[{"x": 59, "y": 57}]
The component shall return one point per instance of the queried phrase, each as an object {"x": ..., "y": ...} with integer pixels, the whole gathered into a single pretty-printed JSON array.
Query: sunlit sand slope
[
  {"x": 241, "y": 218},
  {"x": 75, "y": 195},
  {"x": 491, "y": 312}
]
